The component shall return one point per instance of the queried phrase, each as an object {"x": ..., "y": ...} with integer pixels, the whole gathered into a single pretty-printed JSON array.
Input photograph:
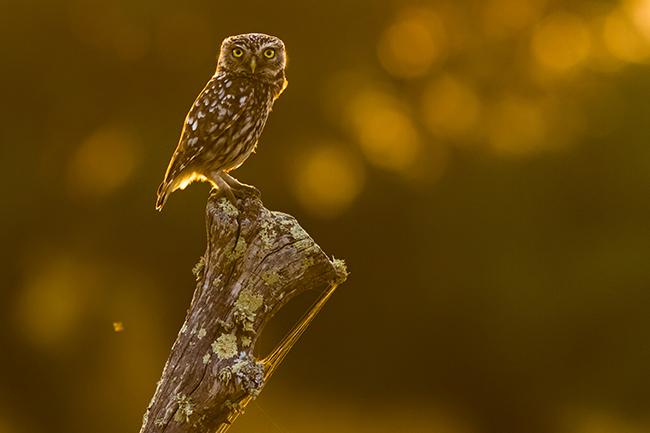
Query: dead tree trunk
[{"x": 256, "y": 261}]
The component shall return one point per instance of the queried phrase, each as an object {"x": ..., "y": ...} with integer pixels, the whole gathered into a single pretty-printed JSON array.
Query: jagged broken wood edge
[{"x": 255, "y": 262}]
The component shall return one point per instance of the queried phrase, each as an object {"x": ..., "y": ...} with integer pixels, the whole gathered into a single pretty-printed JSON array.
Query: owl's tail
[{"x": 162, "y": 195}]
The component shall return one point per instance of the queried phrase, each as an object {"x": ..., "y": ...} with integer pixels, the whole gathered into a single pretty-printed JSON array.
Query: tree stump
[{"x": 255, "y": 262}]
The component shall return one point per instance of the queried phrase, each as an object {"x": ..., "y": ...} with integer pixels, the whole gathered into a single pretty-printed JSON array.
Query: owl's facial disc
[{"x": 253, "y": 54}]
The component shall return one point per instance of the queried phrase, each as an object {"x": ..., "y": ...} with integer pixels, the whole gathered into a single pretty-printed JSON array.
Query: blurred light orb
[
  {"x": 51, "y": 304},
  {"x": 102, "y": 163},
  {"x": 450, "y": 107},
  {"x": 328, "y": 179},
  {"x": 623, "y": 40},
  {"x": 385, "y": 131},
  {"x": 561, "y": 42},
  {"x": 502, "y": 17},
  {"x": 639, "y": 11},
  {"x": 410, "y": 46},
  {"x": 516, "y": 126}
]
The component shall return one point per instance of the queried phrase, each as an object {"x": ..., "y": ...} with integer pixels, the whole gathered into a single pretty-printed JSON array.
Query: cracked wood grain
[{"x": 256, "y": 261}]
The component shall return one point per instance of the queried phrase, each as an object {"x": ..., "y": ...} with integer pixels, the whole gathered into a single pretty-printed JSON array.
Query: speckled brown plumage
[{"x": 225, "y": 122}]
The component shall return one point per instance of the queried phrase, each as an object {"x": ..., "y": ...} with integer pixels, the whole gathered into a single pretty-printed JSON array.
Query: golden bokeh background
[{"x": 483, "y": 166}]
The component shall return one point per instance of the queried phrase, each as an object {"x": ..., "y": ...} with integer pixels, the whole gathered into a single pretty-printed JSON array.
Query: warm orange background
[{"x": 483, "y": 166}]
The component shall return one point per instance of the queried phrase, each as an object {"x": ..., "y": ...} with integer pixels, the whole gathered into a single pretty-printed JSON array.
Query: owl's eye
[
  {"x": 237, "y": 52},
  {"x": 269, "y": 53}
]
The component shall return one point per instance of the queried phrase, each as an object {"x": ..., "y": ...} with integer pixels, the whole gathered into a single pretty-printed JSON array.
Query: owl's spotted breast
[{"x": 225, "y": 121}]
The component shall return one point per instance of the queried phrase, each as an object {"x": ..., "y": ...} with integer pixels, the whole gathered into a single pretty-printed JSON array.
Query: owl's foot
[
  {"x": 240, "y": 188},
  {"x": 223, "y": 188}
]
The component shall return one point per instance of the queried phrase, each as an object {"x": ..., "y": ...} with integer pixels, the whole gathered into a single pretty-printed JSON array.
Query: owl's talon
[
  {"x": 240, "y": 189},
  {"x": 227, "y": 194},
  {"x": 230, "y": 196},
  {"x": 224, "y": 189}
]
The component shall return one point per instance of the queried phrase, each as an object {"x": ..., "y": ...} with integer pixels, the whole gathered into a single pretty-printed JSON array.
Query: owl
[{"x": 224, "y": 124}]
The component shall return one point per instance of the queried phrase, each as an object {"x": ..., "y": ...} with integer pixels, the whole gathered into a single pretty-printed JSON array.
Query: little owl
[{"x": 222, "y": 127}]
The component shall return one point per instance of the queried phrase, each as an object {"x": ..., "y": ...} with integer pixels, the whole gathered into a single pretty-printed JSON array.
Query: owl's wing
[
  {"x": 216, "y": 109},
  {"x": 219, "y": 105}
]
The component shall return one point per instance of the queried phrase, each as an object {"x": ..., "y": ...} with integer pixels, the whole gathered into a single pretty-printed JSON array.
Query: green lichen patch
[
  {"x": 341, "y": 270},
  {"x": 246, "y": 306},
  {"x": 227, "y": 208},
  {"x": 245, "y": 341},
  {"x": 225, "y": 347},
  {"x": 249, "y": 302},
  {"x": 206, "y": 358},
  {"x": 198, "y": 269},
  {"x": 271, "y": 278},
  {"x": 185, "y": 409},
  {"x": 202, "y": 332},
  {"x": 296, "y": 231},
  {"x": 268, "y": 234}
]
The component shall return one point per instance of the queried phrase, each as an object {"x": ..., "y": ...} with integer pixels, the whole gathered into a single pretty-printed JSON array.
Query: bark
[{"x": 255, "y": 262}]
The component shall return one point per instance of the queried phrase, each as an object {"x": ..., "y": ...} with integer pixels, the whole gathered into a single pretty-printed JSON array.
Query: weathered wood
[{"x": 255, "y": 262}]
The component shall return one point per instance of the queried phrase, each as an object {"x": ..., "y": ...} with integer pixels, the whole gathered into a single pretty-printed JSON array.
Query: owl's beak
[{"x": 253, "y": 64}]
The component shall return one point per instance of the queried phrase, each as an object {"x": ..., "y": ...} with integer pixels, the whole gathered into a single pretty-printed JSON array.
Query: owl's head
[{"x": 253, "y": 54}]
